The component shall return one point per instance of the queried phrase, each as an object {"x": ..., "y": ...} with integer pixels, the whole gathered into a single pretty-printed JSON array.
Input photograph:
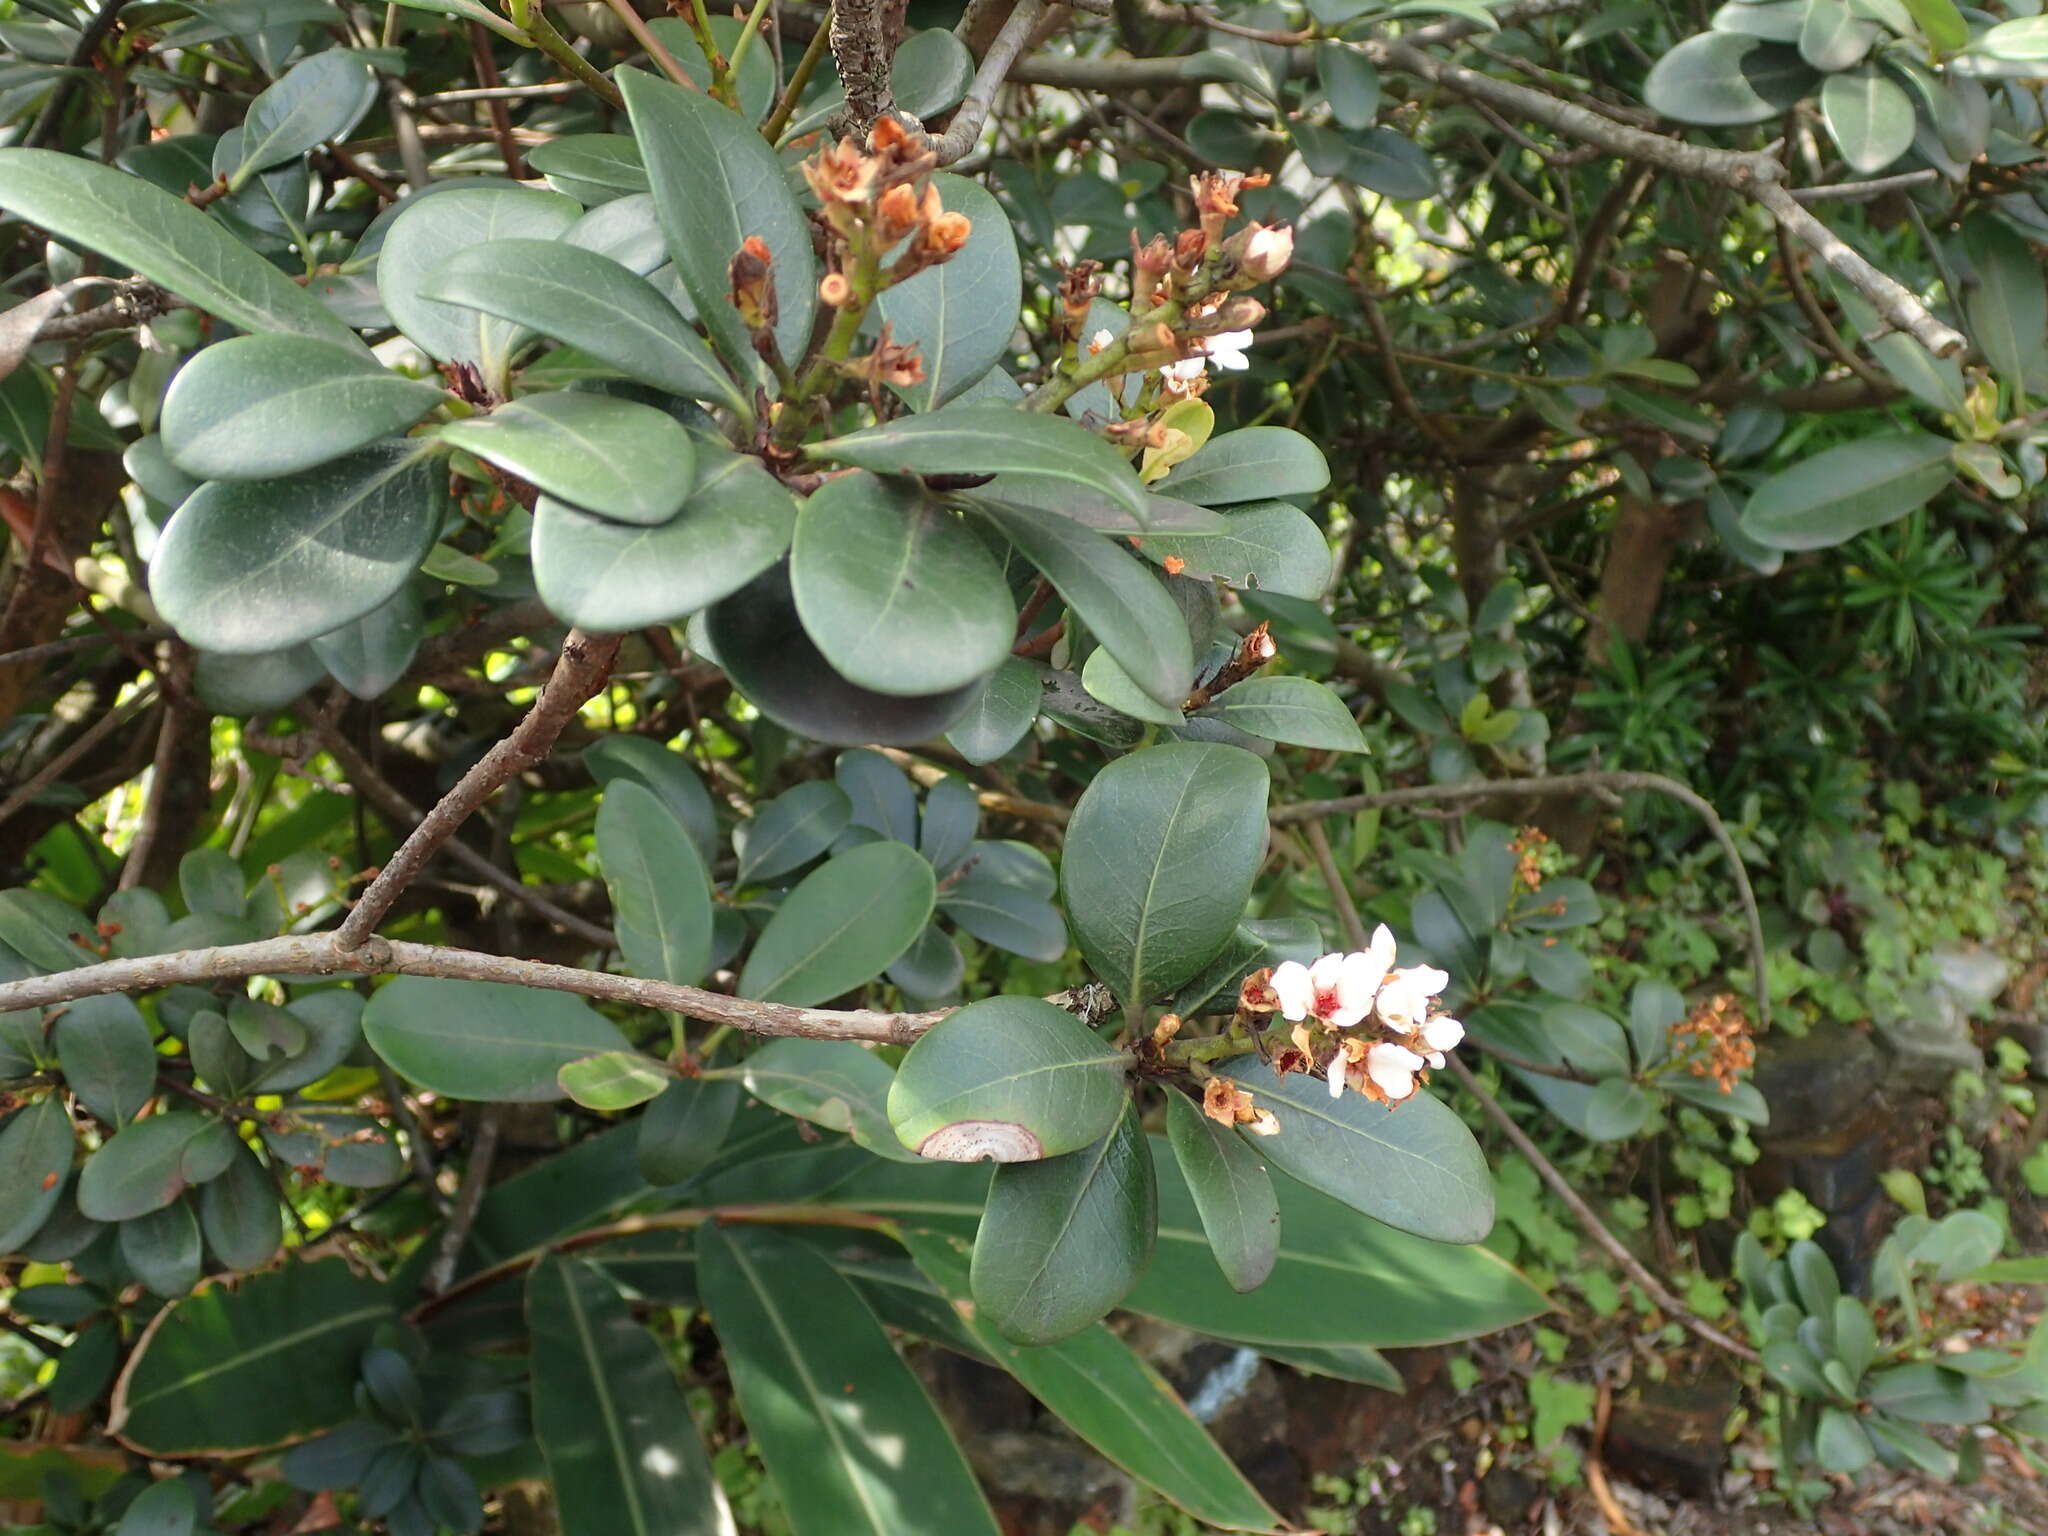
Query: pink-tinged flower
[
  {"x": 1338, "y": 989},
  {"x": 1392, "y": 1069},
  {"x": 1404, "y": 999},
  {"x": 1268, "y": 251},
  {"x": 1226, "y": 350},
  {"x": 1099, "y": 340},
  {"x": 1441, "y": 1034}
]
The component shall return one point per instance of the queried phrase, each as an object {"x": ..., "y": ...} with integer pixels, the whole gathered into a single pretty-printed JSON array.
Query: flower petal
[
  {"x": 1292, "y": 985},
  {"x": 1443, "y": 1033},
  {"x": 1392, "y": 1069},
  {"x": 1358, "y": 983}
]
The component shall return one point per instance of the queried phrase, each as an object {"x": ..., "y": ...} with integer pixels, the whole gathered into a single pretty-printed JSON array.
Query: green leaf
[
  {"x": 897, "y": 593},
  {"x": 1267, "y": 545},
  {"x": 622, "y": 1451},
  {"x": 162, "y": 1247},
  {"x": 1161, "y": 853},
  {"x": 251, "y": 567},
  {"x": 792, "y": 829},
  {"x": 683, "y": 1129},
  {"x": 1841, "y": 492},
  {"x": 991, "y": 438},
  {"x": 960, "y": 314},
  {"x": 1064, "y": 1239},
  {"x": 735, "y": 523},
  {"x": 664, "y": 771},
  {"x": 1414, "y": 1166},
  {"x": 46, "y": 932},
  {"x": 1105, "y": 1392},
  {"x": 618, "y": 458},
  {"x": 167, "y": 1508},
  {"x": 2008, "y": 302},
  {"x": 108, "y": 1060},
  {"x": 661, "y": 894},
  {"x": 1250, "y": 464},
  {"x": 1350, "y": 82},
  {"x": 848, "y": 1435},
  {"x": 1943, "y": 24},
  {"x": 842, "y": 926},
  {"x": 589, "y": 301},
  {"x": 1935, "y": 381},
  {"x": 1833, "y": 36},
  {"x": 1000, "y": 913},
  {"x": 318, "y": 99},
  {"x": 757, "y": 85},
  {"x": 1927, "y": 1394},
  {"x": 607, "y": 161},
  {"x": 256, "y": 407},
  {"x": 838, "y": 1084},
  {"x": 163, "y": 238},
  {"x": 1007, "y": 1079},
  {"x": 1108, "y": 683},
  {"x": 489, "y": 1040},
  {"x": 85, "y": 1368},
  {"x": 1855, "y": 1336},
  {"x": 1723, "y": 79},
  {"x": 1840, "y": 1445},
  {"x": 238, "y": 1369},
  {"x": 35, "y": 1154},
  {"x": 879, "y": 792},
  {"x": 1296, "y": 710},
  {"x": 1000, "y": 715},
  {"x": 1869, "y": 115},
  {"x": 1391, "y": 164},
  {"x": 239, "y": 1213},
  {"x": 150, "y": 1163},
  {"x": 716, "y": 182},
  {"x": 2022, "y": 41},
  {"x": 1231, "y": 1190},
  {"x": 428, "y": 233},
  {"x": 1116, "y": 597},
  {"x": 613, "y": 1080}
]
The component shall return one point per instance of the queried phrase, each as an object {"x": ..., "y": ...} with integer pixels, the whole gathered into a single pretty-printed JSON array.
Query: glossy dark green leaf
[
  {"x": 838, "y": 1084},
  {"x": 1390, "y": 163},
  {"x": 163, "y": 238},
  {"x": 1927, "y": 1393},
  {"x": 896, "y": 592},
  {"x": 35, "y": 1154},
  {"x": 1843, "y": 491},
  {"x": 320, "y": 98},
  {"x": 1232, "y": 1192},
  {"x": 661, "y": 893},
  {"x": 793, "y": 829},
  {"x": 992, "y": 438},
  {"x": 757, "y": 86},
  {"x": 256, "y": 407},
  {"x": 1119, "y": 600},
  {"x": 1414, "y": 1166},
  {"x": 848, "y": 1435},
  {"x": 1107, "y": 1393},
  {"x": 163, "y": 1249},
  {"x": 1250, "y": 464},
  {"x": 842, "y": 926},
  {"x": 236, "y": 1369},
  {"x": 428, "y": 233},
  {"x": 1295, "y": 710},
  {"x": 931, "y": 970},
  {"x": 952, "y": 815},
  {"x": 1064, "y": 1239},
  {"x": 614, "y": 457},
  {"x": 623, "y": 1453},
  {"x": 43, "y": 930},
  {"x": 487, "y": 1040},
  {"x": 85, "y": 1368},
  {"x": 2008, "y": 303},
  {"x": 610, "y": 161},
  {"x": 999, "y": 913},
  {"x": 1161, "y": 853},
  {"x": 1869, "y": 116},
  {"x": 166, "y": 1508},
  {"x": 1007, "y": 1079},
  {"x": 252, "y": 567},
  {"x": 239, "y": 1214},
  {"x": 370, "y": 654},
  {"x": 106, "y": 1054},
  {"x": 682, "y": 1130},
  {"x": 1723, "y": 79},
  {"x": 1840, "y": 1445},
  {"x": 613, "y": 1080},
  {"x": 150, "y": 1163},
  {"x": 1267, "y": 545},
  {"x": 1835, "y": 35},
  {"x": 1000, "y": 715},
  {"x": 960, "y": 314},
  {"x": 588, "y": 300},
  {"x": 666, "y": 772},
  {"x": 879, "y": 792},
  {"x": 716, "y": 183}
]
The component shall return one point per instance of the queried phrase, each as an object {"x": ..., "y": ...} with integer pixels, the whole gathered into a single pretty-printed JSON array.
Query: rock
[
  {"x": 1669, "y": 1436},
  {"x": 1045, "y": 1485},
  {"x": 1235, "y": 1394},
  {"x": 1820, "y": 1079}
]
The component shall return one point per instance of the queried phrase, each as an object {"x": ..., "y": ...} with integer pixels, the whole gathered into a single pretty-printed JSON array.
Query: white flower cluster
[{"x": 1342, "y": 991}]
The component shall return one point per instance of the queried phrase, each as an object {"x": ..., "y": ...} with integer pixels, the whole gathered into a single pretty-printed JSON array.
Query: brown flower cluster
[
  {"x": 874, "y": 199},
  {"x": 1528, "y": 852},
  {"x": 1716, "y": 1034},
  {"x": 1227, "y": 1103}
]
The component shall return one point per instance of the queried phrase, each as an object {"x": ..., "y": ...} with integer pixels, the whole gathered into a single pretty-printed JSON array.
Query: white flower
[
  {"x": 1392, "y": 1069},
  {"x": 1405, "y": 997},
  {"x": 1441, "y": 1034},
  {"x": 1099, "y": 340},
  {"x": 1338, "y": 989},
  {"x": 1226, "y": 349}
]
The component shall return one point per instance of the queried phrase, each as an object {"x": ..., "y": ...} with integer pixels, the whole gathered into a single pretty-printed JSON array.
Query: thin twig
[
  {"x": 792, "y": 94},
  {"x": 419, "y": 1150},
  {"x": 476, "y": 1179},
  {"x": 320, "y": 954},
  {"x": 996, "y": 64},
  {"x": 86, "y": 740},
  {"x": 89, "y": 42},
  {"x": 580, "y": 671}
]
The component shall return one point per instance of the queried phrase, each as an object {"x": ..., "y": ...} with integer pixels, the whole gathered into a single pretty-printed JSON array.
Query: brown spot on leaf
[{"x": 981, "y": 1141}]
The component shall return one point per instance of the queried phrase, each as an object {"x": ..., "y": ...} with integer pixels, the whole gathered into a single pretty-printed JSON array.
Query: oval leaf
[
  {"x": 1232, "y": 1191},
  {"x": 1837, "y": 494},
  {"x": 960, "y": 314},
  {"x": 661, "y": 894},
  {"x": 615, "y": 457},
  {"x": 843, "y": 926},
  {"x": 483, "y": 1039}
]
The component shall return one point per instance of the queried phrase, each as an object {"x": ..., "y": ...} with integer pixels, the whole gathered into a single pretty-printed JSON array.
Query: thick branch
[
  {"x": 322, "y": 954},
  {"x": 585, "y": 663},
  {"x": 863, "y": 50}
]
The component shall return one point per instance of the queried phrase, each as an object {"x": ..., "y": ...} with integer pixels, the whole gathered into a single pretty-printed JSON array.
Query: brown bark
[{"x": 42, "y": 596}]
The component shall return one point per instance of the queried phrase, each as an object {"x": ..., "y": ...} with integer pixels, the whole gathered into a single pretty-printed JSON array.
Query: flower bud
[
  {"x": 898, "y": 212},
  {"x": 834, "y": 291},
  {"x": 1268, "y": 251}
]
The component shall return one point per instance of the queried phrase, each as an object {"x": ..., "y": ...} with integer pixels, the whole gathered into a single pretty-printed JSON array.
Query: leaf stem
[
  {"x": 785, "y": 109},
  {"x": 556, "y": 47}
]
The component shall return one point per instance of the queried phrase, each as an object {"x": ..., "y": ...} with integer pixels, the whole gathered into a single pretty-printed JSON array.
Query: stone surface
[
  {"x": 1045, "y": 1485},
  {"x": 1822, "y": 1078},
  {"x": 1667, "y": 1436}
]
